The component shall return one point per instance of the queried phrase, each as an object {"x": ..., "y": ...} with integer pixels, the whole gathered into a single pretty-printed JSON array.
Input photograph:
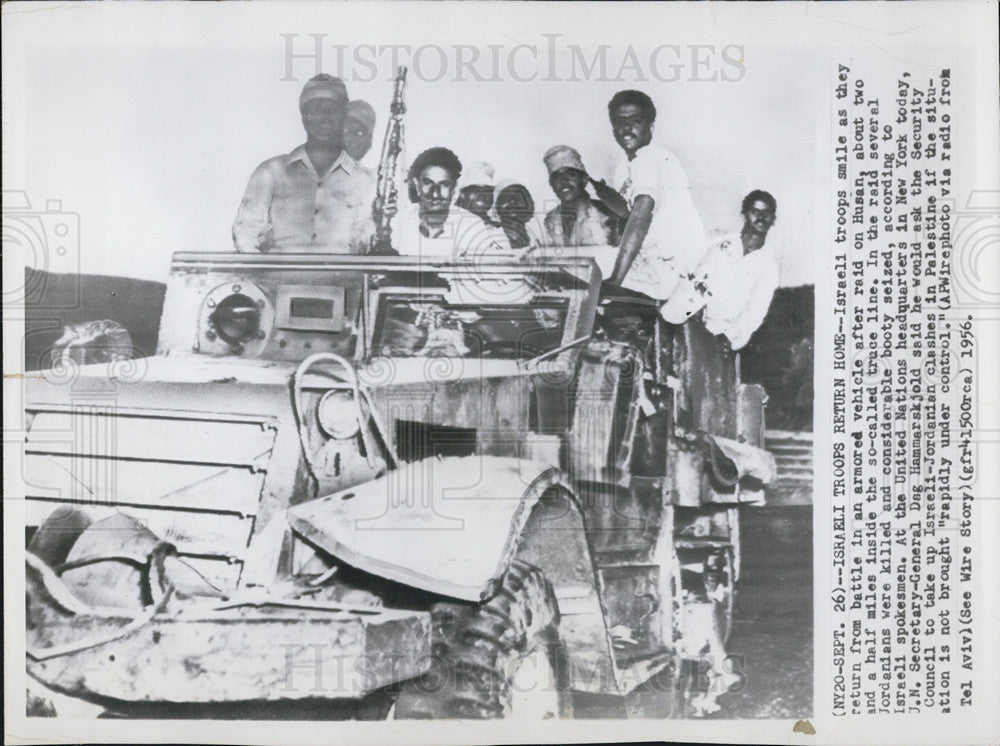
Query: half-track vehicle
[{"x": 408, "y": 487}]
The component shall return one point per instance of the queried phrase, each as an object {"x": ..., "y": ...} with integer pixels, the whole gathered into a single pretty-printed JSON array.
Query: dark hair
[
  {"x": 324, "y": 78},
  {"x": 433, "y": 157},
  {"x": 636, "y": 98},
  {"x": 758, "y": 194},
  {"x": 527, "y": 205}
]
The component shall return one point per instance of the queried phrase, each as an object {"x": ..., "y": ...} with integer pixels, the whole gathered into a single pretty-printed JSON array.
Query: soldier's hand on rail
[
  {"x": 610, "y": 288},
  {"x": 382, "y": 247},
  {"x": 265, "y": 239}
]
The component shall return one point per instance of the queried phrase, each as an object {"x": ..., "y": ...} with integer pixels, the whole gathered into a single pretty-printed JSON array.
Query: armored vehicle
[{"x": 433, "y": 488}]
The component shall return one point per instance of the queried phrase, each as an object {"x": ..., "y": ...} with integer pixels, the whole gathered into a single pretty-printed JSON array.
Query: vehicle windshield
[{"x": 430, "y": 326}]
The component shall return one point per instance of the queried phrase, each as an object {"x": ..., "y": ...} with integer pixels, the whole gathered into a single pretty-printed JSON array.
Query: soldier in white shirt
[
  {"x": 431, "y": 225},
  {"x": 663, "y": 240},
  {"x": 316, "y": 199},
  {"x": 741, "y": 273}
]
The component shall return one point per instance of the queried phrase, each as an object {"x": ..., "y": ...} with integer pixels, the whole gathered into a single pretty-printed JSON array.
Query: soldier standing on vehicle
[
  {"x": 477, "y": 193},
  {"x": 359, "y": 124},
  {"x": 741, "y": 273},
  {"x": 515, "y": 210},
  {"x": 663, "y": 240},
  {"x": 431, "y": 225},
  {"x": 317, "y": 198},
  {"x": 578, "y": 220}
]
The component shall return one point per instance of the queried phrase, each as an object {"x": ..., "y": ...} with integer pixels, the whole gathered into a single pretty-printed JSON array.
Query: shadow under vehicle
[{"x": 426, "y": 488}]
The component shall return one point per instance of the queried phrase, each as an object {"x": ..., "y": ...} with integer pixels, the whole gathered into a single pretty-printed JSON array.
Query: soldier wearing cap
[
  {"x": 578, "y": 220},
  {"x": 316, "y": 199},
  {"x": 477, "y": 191},
  {"x": 359, "y": 124}
]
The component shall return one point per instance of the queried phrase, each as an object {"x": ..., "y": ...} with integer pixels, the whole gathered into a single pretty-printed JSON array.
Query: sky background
[{"x": 150, "y": 133}]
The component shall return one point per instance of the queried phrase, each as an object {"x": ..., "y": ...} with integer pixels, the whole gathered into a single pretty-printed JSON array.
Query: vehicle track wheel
[
  {"x": 497, "y": 659},
  {"x": 56, "y": 536}
]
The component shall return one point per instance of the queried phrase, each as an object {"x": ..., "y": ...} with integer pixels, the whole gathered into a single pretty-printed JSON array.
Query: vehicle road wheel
[
  {"x": 498, "y": 659},
  {"x": 56, "y": 536}
]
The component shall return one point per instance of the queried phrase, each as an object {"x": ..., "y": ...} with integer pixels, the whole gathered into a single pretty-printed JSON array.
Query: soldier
[
  {"x": 741, "y": 273},
  {"x": 577, "y": 220},
  {"x": 477, "y": 193},
  {"x": 359, "y": 124},
  {"x": 431, "y": 225},
  {"x": 663, "y": 240},
  {"x": 317, "y": 198},
  {"x": 515, "y": 211}
]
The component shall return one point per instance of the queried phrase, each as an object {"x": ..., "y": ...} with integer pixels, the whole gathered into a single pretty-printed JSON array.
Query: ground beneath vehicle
[{"x": 432, "y": 487}]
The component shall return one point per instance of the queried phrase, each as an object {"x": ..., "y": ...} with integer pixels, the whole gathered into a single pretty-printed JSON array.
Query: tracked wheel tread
[{"x": 476, "y": 645}]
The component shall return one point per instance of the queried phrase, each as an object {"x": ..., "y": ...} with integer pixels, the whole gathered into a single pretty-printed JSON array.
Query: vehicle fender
[
  {"x": 452, "y": 526},
  {"x": 446, "y": 525}
]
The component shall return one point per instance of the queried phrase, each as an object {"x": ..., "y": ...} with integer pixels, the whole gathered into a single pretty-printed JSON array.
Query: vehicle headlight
[
  {"x": 337, "y": 415},
  {"x": 237, "y": 319}
]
